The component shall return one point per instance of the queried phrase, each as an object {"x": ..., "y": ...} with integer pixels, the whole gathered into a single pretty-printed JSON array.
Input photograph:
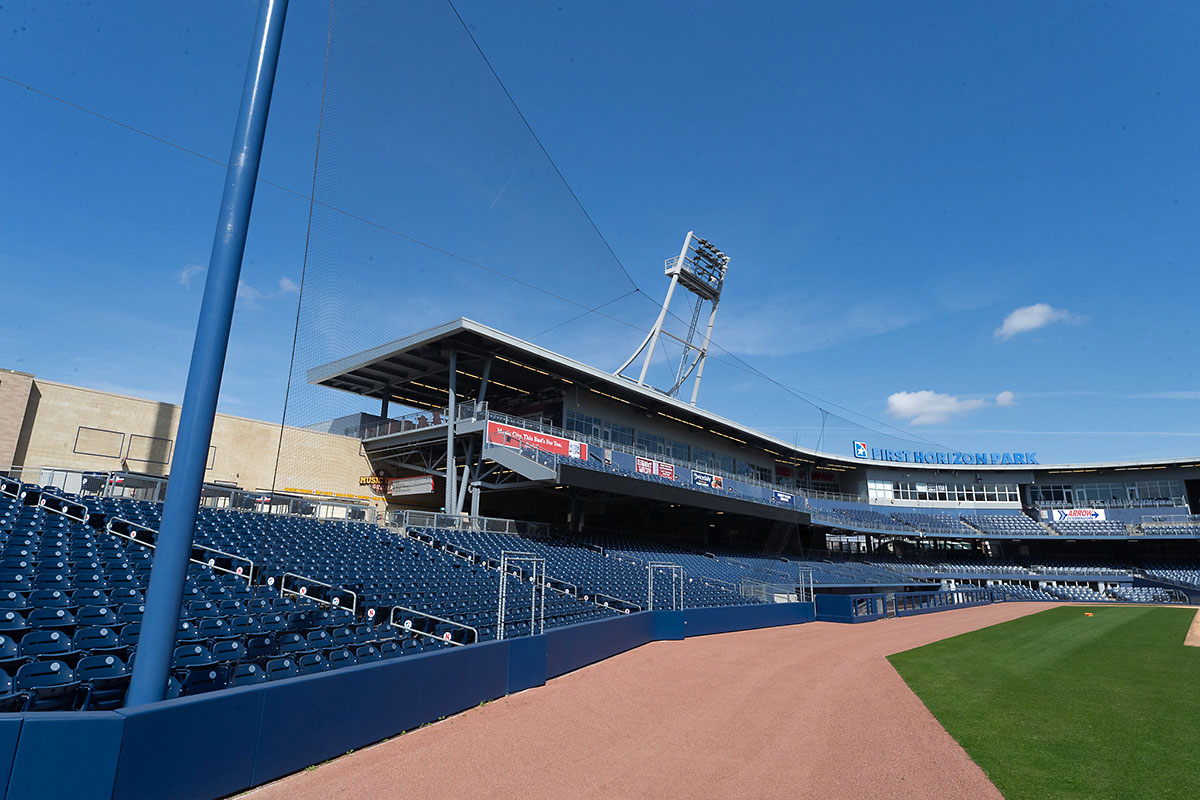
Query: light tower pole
[
  {"x": 700, "y": 268},
  {"x": 175, "y": 535}
]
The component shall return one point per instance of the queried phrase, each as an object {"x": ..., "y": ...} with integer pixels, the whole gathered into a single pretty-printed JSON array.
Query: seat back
[
  {"x": 228, "y": 650},
  {"x": 38, "y": 674},
  {"x": 192, "y": 655},
  {"x": 312, "y": 662},
  {"x": 41, "y": 643},
  {"x": 248, "y": 674},
  {"x": 96, "y": 637},
  {"x": 278, "y": 668}
]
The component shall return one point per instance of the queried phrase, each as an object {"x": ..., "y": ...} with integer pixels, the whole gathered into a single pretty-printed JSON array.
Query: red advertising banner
[
  {"x": 648, "y": 466},
  {"x": 511, "y": 436}
]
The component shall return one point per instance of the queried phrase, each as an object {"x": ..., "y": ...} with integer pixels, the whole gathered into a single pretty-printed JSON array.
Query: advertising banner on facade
[
  {"x": 784, "y": 497},
  {"x": 707, "y": 481},
  {"x": 1082, "y": 514},
  {"x": 421, "y": 484},
  {"x": 514, "y": 437},
  {"x": 648, "y": 466}
]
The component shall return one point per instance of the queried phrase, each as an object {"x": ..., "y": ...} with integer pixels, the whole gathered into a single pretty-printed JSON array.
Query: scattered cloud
[
  {"x": 932, "y": 408},
  {"x": 1168, "y": 395},
  {"x": 288, "y": 286},
  {"x": 1030, "y": 318},
  {"x": 788, "y": 323},
  {"x": 248, "y": 294},
  {"x": 185, "y": 275},
  {"x": 929, "y": 408}
]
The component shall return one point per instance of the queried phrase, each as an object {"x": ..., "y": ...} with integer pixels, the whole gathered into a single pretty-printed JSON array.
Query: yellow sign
[{"x": 318, "y": 493}]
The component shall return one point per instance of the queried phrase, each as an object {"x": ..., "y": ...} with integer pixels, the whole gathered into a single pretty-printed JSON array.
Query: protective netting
[{"x": 434, "y": 200}]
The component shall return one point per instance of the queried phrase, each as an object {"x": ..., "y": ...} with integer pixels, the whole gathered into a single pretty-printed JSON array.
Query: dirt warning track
[{"x": 804, "y": 711}]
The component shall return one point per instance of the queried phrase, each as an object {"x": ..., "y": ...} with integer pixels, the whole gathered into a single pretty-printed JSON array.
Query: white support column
[
  {"x": 654, "y": 333},
  {"x": 712, "y": 319},
  {"x": 475, "y": 492},
  {"x": 662, "y": 314},
  {"x": 461, "y": 499},
  {"x": 471, "y": 481}
]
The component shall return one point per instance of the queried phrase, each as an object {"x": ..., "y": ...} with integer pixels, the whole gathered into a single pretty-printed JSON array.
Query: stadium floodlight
[{"x": 700, "y": 267}]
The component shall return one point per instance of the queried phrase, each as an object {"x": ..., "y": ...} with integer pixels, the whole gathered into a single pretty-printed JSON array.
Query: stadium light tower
[{"x": 700, "y": 267}]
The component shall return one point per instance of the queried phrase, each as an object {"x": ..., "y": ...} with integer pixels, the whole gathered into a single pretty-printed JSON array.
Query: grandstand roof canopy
[{"x": 413, "y": 371}]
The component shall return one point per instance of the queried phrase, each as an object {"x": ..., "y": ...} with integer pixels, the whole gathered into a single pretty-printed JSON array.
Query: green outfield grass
[{"x": 1062, "y": 705}]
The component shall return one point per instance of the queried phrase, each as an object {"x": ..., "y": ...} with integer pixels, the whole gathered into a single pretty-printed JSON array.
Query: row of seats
[{"x": 1003, "y": 525}]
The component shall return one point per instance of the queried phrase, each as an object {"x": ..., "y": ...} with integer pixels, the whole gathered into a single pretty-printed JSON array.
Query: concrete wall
[
  {"x": 78, "y": 428},
  {"x": 15, "y": 388}
]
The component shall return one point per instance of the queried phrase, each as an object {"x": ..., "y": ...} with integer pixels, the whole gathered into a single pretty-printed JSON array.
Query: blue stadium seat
[
  {"x": 50, "y": 686},
  {"x": 191, "y": 655},
  {"x": 106, "y": 678},
  {"x": 279, "y": 668},
  {"x": 202, "y": 679},
  {"x": 248, "y": 674},
  {"x": 312, "y": 662}
]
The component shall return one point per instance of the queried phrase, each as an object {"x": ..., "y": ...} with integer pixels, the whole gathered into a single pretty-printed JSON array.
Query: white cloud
[
  {"x": 930, "y": 408},
  {"x": 186, "y": 274},
  {"x": 288, "y": 286},
  {"x": 1005, "y": 399},
  {"x": 1030, "y": 318},
  {"x": 247, "y": 293}
]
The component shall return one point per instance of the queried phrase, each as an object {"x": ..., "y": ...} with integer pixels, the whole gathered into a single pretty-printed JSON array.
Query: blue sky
[{"x": 973, "y": 222}]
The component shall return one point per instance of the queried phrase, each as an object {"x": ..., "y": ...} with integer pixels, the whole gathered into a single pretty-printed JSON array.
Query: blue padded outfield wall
[{"x": 212, "y": 745}]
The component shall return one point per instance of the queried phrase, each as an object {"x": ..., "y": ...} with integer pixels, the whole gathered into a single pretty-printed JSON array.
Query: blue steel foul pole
[{"x": 157, "y": 643}]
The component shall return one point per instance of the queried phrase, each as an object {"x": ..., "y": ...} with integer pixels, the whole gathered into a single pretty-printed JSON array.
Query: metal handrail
[
  {"x": 595, "y": 597},
  {"x": 110, "y": 527},
  {"x": 11, "y": 487},
  {"x": 249, "y": 573},
  {"x": 677, "y": 578},
  {"x": 1171, "y": 519},
  {"x": 418, "y": 420},
  {"x": 408, "y": 626},
  {"x": 537, "y": 600},
  {"x": 550, "y": 580},
  {"x": 334, "y": 602},
  {"x": 725, "y": 585},
  {"x": 63, "y": 506}
]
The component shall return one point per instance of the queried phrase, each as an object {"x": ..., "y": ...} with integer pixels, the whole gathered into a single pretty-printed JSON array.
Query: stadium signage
[
  {"x": 516, "y": 438},
  {"x": 422, "y": 484},
  {"x": 648, "y": 466},
  {"x": 784, "y": 497},
  {"x": 1068, "y": 514},
  {"x": 707, "y": 481},
  {"x": 947, "y": 457}
]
